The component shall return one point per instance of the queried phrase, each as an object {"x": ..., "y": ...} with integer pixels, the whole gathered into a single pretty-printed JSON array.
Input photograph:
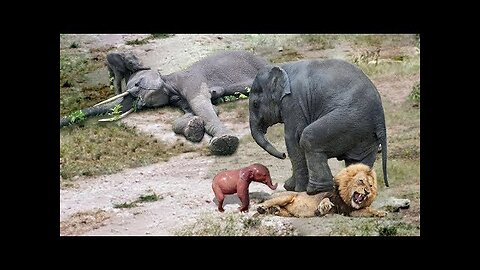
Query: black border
[{"x": 47, "y": 156}]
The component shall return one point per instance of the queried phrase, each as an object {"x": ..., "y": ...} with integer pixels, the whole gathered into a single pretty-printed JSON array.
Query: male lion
[{"x": 355, "y": 190}]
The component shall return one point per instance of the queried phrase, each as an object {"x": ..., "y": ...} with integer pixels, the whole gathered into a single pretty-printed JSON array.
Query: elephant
[
  {"x": 193, "y": 90},
  {"x": 238, "y": 181},
  {"x": 329, "y": 108}
]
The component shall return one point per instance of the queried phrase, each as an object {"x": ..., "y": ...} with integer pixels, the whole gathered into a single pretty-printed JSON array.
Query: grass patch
[
  {"x": 160, "y": 36},
  {"x": 374, "y": 66},
  {"x": 74, "y": 45},
  {"x": 367, "y": 40},
  {"x": 403, "y": 130},
  {"x": 76, "y": 98},
  {"x": 415, "y": 94},
  {"x": 125, "y": 205},
  {"x": 146, "y": 39},
  {"x": 379, "y": 40},
  {"x": 232, "y": 224},
  {"x": 95, "y": 149},
  {"x": 400, "y": 172},
  {"x": 82, "y": 222},
  {"x": 73, "y": 65},
  {"x": 149, "y": 198},
  {"x": 74, "y": 94},
  {"x": 346, "y": 226},
  {"x": 285, "y": 56},
  {"x": 319, "y": 42},
  {"x": 240, "y": 107},
  {"x": 153, "y": 197}
]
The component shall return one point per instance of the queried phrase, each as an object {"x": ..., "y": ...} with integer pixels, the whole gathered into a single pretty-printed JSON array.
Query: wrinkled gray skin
[
  {"x": 193, "y": 90},
  {"x": 330, "y": 109}
]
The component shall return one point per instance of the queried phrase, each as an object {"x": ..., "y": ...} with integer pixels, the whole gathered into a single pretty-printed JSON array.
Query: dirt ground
[{"x": 183, "y": 183}]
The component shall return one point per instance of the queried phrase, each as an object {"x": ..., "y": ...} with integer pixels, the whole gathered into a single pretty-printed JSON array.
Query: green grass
[
  {"x": 75, "y": 94},
  {"x": 231, "y": 224},
  {"x": 347, "y": 226},
  {"x": 415, "y": 94},
  {"x": 320, "y": 41},
  {"x": 92, "y": 148},
  {"x": 408, "y": 66},
  {"x": 286, "y": 55},
  {"x": 379, "y": 40},
  {"x": 146, "y": 39},
  {"x": 151, "y": 197},
  {"x": 403, "y": 130},
  {"x": 125, "y": 205}
]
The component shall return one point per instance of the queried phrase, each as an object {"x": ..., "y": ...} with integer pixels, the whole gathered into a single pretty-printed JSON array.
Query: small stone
[{"x": 280, "y": 49}]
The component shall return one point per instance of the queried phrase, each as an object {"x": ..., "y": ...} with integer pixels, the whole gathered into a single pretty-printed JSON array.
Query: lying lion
[{"x": 355, "y": 190}]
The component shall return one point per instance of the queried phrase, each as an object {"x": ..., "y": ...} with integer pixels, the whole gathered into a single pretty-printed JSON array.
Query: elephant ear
[{"x": 279, "y": 82}]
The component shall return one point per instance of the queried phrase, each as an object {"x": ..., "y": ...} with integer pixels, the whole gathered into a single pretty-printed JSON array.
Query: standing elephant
[
  {"x": 193, "y": 90},
  {"x": 329, "y": 108},
  {"x": 238, "y": 181}
]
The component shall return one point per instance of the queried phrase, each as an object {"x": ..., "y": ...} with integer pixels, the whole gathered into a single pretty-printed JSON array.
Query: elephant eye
[
  {"x": 255, "y": 104},
  {"x": 360, "y": 180}
]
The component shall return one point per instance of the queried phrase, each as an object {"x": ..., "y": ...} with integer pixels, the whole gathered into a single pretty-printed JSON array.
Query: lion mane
[{"x": 355, "y": 191}]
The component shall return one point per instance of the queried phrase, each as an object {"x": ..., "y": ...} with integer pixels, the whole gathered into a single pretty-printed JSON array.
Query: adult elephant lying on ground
[
  {"x": 330, "y": 109},
  {"x": 193, "y": 90}
]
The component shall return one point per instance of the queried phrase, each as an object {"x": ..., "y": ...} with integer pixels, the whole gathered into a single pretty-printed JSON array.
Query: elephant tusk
[
  {"x": 112, "y": 98},
  {"x": 117, "y": 118}
]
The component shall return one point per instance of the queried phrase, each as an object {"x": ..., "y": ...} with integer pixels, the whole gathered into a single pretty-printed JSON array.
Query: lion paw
[
  {"x": 261, "y": 209},
  {"x": 381, "y": 213},
  {"x": 325, "y": 206}
]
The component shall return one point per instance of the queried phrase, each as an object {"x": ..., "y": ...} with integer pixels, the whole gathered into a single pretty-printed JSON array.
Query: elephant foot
[
  {"x": 195, "y": 129},
  {"x": 315, "y": 188},
  {"x": 300, "y": 188},
  {"x": 290, "y": 184},
  {"x": 224, "y": 145}
]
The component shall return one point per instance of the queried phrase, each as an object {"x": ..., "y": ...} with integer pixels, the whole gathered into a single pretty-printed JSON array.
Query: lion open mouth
[{"x": 358, "y": 198}]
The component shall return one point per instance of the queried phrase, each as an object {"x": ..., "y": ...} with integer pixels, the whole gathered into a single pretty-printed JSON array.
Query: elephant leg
[
  {"x": 323, "y": 136},
  {"x": 299, "y": 179},
  {"x": 223, "y": 142},
  {"x": 190, "y": 126},
  {"x": 320, "y": 177},
  {"x": 368, "y": 160}
]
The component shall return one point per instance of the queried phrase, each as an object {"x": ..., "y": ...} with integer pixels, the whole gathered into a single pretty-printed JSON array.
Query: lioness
[{"x": 355, "y": 190}]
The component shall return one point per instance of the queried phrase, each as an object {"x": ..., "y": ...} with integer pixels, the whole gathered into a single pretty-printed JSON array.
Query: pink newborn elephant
[{"x": 237, "y": 181}]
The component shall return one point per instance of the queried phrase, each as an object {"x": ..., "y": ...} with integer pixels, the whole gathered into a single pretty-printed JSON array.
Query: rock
[
  {"x": 393, "y": 204},
  {"x": 280, "y": 49}
]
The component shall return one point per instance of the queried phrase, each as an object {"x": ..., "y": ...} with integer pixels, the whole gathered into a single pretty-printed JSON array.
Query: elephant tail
[{"x": 383, "y": 141}]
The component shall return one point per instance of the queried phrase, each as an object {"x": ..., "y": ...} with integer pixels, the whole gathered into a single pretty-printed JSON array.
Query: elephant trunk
[
  {"x": 126, "y": 102},
  {"x": 270, "y": 185},
  {"x": 258, "y": 132}
]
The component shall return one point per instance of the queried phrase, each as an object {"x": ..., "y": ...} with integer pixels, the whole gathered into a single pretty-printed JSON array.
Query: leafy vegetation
[
  {"x": 151, "y": 197},
  {"x": 76, "y": 117},
  {"x": 145, "y": 40},
  {"x": 415, "y": 94},
  {"x": 96, "y": 149},
  {"x": 232, "y": 224}
]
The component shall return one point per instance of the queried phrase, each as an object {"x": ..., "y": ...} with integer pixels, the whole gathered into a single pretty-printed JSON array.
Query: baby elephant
[{"x": 237, "y": 181}]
